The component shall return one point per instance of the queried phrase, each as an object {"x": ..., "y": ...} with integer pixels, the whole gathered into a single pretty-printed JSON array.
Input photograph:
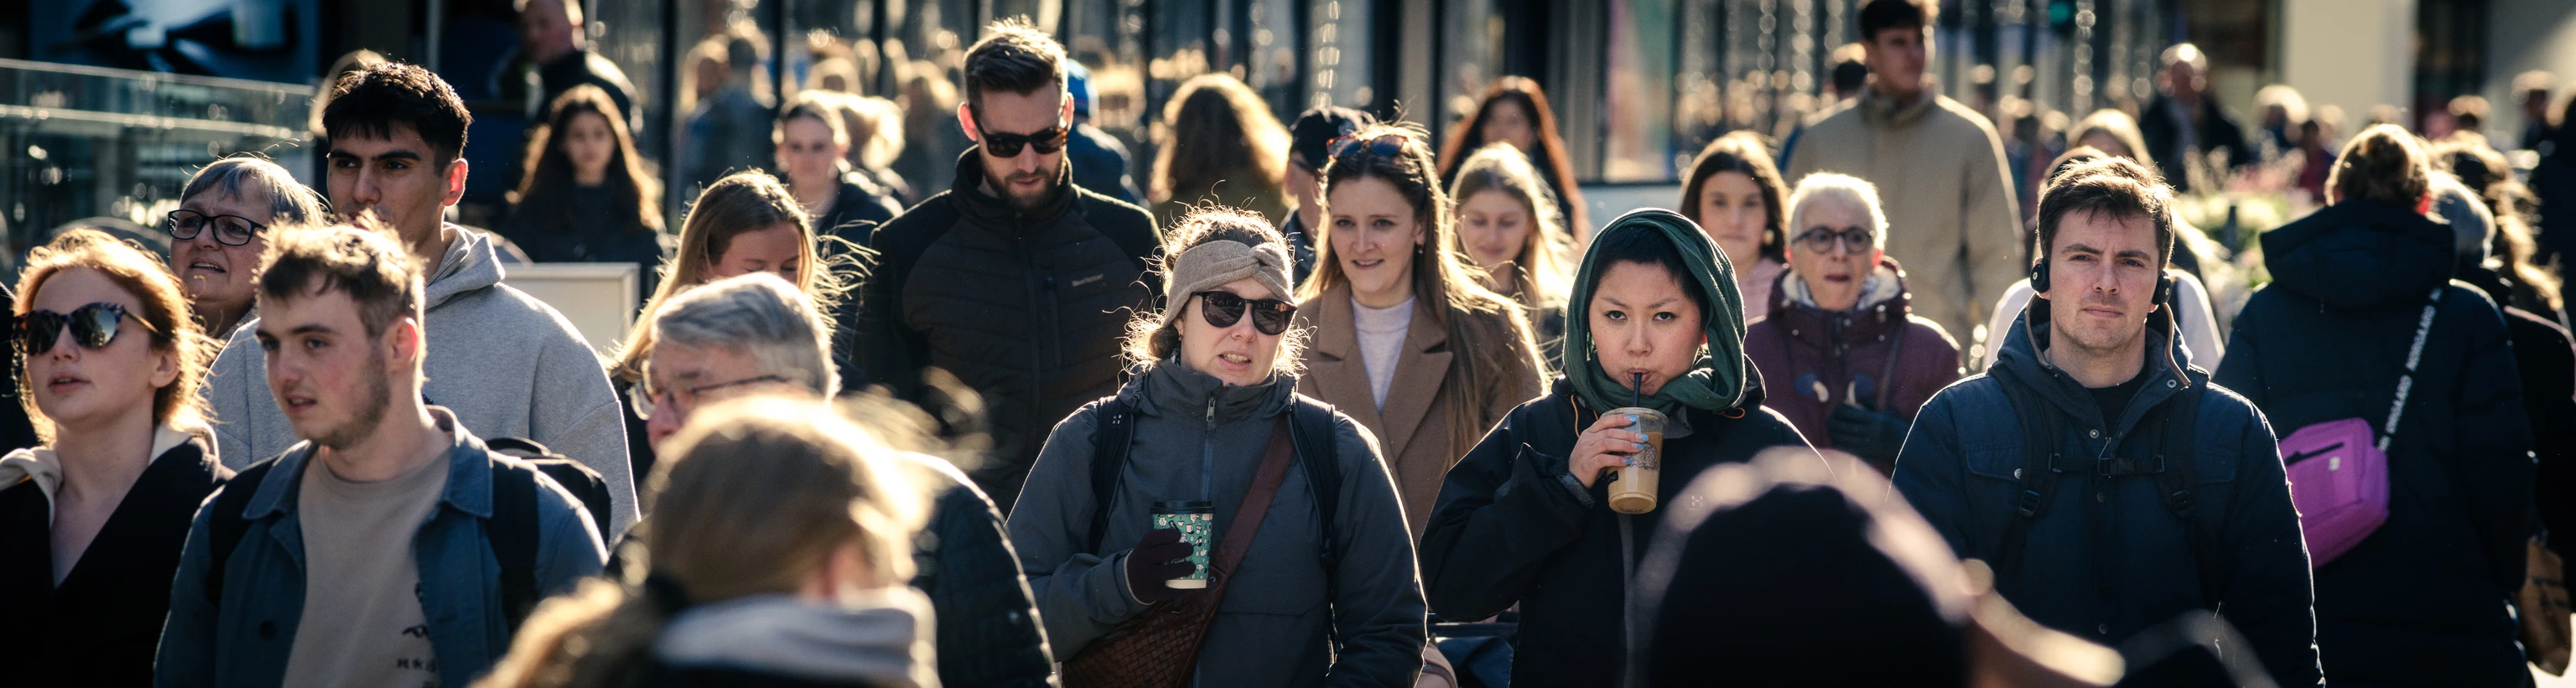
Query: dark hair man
[
  {"x": 1960, "y": 236},
  {"x": 505, "y": 363},
  {"x": 2184, "y": 123},
  {"x": 551, "y": 36},
  {"x": 1015, "y": 279},
  {"x": 2110, "y": 485},
  {"x": 364, "y": 556}
]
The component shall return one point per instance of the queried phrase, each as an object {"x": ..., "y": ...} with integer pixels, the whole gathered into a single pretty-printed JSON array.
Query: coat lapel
[
  {"x": 1419, "y": 372},
  {"x": 1334, "y": 371}
]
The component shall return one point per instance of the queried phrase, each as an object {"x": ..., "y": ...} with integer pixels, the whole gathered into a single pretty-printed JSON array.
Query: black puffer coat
[
  {"x": 2423, "y": 600},
  {"x": 987, "y": 626},
  {"x": 1025, "y": 306}
]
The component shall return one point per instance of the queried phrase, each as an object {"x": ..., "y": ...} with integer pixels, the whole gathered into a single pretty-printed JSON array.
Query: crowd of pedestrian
[{"x": 1317, "y": 403}]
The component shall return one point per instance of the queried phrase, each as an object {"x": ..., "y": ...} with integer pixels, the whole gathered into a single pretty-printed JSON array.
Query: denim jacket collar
[{"x": 469, "y": 475}]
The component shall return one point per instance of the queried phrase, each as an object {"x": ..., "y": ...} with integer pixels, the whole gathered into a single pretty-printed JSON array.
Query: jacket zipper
[
  {"x": 1037, "y": 360},
  {"x": 1207, "y": 451}
]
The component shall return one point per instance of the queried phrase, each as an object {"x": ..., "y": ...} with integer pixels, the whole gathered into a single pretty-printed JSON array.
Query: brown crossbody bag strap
[{"x": 1160, "y": 647}]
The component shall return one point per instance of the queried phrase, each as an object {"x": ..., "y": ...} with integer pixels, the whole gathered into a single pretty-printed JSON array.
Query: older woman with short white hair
[{"x": 1843, "y": 355}]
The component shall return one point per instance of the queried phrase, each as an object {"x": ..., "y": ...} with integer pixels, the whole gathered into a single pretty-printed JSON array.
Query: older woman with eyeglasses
[
  {"x": 1843, "y": 354},
  {"x": 220, "y": 229}
]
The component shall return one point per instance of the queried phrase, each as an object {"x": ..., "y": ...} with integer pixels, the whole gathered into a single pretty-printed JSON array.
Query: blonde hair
[
  {"x": 1545, "y": 260},
  {"x": 165, "y": 315},
  {"x": 757, "y": 495},
  {"x": 740, "y": 203}
]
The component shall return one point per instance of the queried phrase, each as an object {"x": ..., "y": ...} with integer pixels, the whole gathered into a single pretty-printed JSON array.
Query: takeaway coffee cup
[
  {"x": 1196, "y": 519},
  {"x": 1632, "y": 487}
]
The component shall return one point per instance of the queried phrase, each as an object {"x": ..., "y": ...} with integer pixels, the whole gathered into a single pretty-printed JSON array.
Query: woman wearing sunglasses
[
  {"x": 1408, "y": 340},
  {"x": 1326, "y": 585},
  {"x": 91, "y": 522},
  {"x": 1846, "y": 359}
]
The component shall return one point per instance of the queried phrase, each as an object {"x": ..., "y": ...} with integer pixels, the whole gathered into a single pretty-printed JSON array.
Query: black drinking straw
[{"x": 1637, "y": 392}]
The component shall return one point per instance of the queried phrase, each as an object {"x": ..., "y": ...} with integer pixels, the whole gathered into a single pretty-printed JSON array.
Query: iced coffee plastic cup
[{"x": 1632, "y": 487}]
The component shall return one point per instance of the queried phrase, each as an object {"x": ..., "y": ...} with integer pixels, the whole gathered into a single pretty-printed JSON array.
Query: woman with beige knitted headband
[{"x": 1215, "y": 390}]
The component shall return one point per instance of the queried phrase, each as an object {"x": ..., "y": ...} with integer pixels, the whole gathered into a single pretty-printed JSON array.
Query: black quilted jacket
[{"x": 987, "y": 630}]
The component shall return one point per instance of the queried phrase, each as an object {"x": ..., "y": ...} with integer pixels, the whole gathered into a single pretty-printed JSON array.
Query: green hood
[{"x": 1716, "y": 381}]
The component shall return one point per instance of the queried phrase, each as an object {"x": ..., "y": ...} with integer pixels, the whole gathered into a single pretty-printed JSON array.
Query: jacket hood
[
  {"x": 2361, "y": 255},
  {"x": 882, "y": 640},
  {"x": 1173, "y": 388},
  {"x": 39, "y": 464},
  {"x": 472, "y": 262},
  {"x": 986, "y": 209},
  {"x": 1717, "y": 380}
]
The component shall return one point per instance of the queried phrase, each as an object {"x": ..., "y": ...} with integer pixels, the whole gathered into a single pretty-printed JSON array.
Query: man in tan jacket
[{"x": 1938, "y": 166}]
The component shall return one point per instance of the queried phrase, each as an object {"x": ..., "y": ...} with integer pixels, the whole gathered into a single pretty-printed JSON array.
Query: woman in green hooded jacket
[{"x": 1525, "y": 519}]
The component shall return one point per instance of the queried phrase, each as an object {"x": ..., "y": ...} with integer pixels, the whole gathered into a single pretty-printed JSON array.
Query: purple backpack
[{"x": 2339, "y": 472}]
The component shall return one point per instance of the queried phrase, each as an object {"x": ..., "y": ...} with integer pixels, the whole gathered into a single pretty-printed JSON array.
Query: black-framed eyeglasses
[
  {"x": 1225, "y": 308},
  {"x": 230, "y": 230},
  {"x": 1007, "y": 145},
  {"x": 1385, "y": 145},
  {"x": 650, "y": 397},
  {"x": 1823, "y": 239},
  {"x": 93, "y": 327}
]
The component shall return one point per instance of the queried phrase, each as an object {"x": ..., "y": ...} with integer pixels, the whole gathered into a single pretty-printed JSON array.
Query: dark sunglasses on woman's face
[
  {"x": 230, "y": 230},
  {"x": 1225, "y": 308},
  {"x": 92, "y": 326},
  {"x": 1822, "y": 239},
  {"x": 1384, "y": 146},
  {"x": 1006, "y": 145}
]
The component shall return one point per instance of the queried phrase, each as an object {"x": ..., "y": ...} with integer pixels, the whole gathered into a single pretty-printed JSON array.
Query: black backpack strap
[
  {"x": 2037, "y": 478},
  {"x": 1113, "y": 434},
  {"x": 1310, "y": 424},
  {"x": 225, "y": 525},
  {"x": 512, "y": 535},
  {"x": 2179, "y": 476}
]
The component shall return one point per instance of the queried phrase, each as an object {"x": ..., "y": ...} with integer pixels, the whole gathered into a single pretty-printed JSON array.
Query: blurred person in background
[
  {"x": 2110, "y": 547},
  {"x": 1014, "y": 279},
  {"x": 552, "y": 37},
  {"x": 2526, "y": 284},
  {"x": 876, "y": 137},
  {"x": 1313, "y": 132},
  {"x": 2113, "y": 133},
  {"x": 1737, "y": 197},
  {"x": 1099, "y": 160},
  {"x": 746, "y": 223},
  {"x": 1514, "y": 110},
  {"x": 1846, "y": 359},
  {"x": 2553, "y": 181},
  {"x": 1524, "y": 518},
  {"x": 1325, "y": 593},
  {"x": 931, "y": 124},
  {"x": 91, "y": 523},
  {"x": 813, "y": 150},
  {"x": 1939, "y": 168},
  {"x": 220, "y": 229},
  {"x": 1507, "y": 226},
  {"x": 2282, "y": 109},
  {"x": 1407, "y": 339},
  {"x": 1224, "y": 147},
  {"x": 396, "y": 135},
  {"x": 729, "y": 131},
  {"x": 587, "y": 196},
  {"x": 2468, "y": 119},
  {"x": 2532, "y": 91},
  {"x": 777, "y": 560},
  {"x": 2352, "y": 286},
  {"x": 2183, "y": 124},
  {"x": 758, "y": 333},
  {"x": 2317, "y": 147}
]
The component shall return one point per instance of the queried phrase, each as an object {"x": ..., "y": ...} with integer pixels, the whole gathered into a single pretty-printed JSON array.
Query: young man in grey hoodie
[{"x": 507, "y": 364}]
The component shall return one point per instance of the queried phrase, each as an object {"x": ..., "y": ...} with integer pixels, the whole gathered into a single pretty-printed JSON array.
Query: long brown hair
[
  {"x": 738, "y": 204},
  {"x": 637, "y": 194},
  {"x": 1221, "y": 131},
  {"x": 1742, "y": 152},
  {"x": 1490, "y": 331},
  {"x": 165, "y": 316},
  {"x": 1550, "y": 158}
]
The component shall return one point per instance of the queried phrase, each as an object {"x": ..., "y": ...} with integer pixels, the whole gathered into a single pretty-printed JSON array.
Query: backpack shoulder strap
[
  {"x": 1113, "y": 434},
  {"x": 512, "y": 535},
  {"x": 225, "y": 526},
  {"x": 2178, "y": 474},
  {"x": 1311, "y": 428},
  {"x": 2037, "y": 478}
]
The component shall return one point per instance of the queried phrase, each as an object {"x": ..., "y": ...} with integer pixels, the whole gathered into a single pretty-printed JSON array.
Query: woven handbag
[{"x": 1160, "y": 647}]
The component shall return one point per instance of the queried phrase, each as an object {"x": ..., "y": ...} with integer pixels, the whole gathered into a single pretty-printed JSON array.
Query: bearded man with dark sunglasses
[{"x": 1016, "y": 280}]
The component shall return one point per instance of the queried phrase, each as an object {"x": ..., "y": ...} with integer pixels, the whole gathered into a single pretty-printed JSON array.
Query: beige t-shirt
[{"x": 362, "y": 623}]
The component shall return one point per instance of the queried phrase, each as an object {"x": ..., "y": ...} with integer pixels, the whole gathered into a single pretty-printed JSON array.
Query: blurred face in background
[
  {"x": 1495, "y": 227},
  {"x": 1732, "y": 212},
  {"x": 1507, "y": 121},
  {"x": 1895, "y": 58},
  {"x": 776, "y": 249},
  {"x": 1374, "y": 234},
  {"x": 808, "y": 153},
  {"x": 590, "y": 143},
  {"x": 1833, "y": 251},
  {"x": 2109, "y": 144}
]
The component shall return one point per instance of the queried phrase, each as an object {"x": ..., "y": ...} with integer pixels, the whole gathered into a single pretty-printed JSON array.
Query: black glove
[
  {"x": 1868, "y": 434},
  {"x": 1160, "y": 557}
]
